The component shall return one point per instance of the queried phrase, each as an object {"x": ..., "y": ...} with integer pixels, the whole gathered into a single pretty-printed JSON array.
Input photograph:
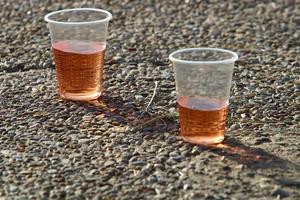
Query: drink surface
[
  {"x": 202, "y": 120},
  {"x": 79, "y": 68}
]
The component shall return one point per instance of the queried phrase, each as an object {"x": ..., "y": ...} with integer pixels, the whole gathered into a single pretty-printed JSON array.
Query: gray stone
[{"x": 278, "y": 192}]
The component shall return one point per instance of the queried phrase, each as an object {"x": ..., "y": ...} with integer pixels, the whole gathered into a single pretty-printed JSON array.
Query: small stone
[
  {"x": 296, "y": 117},
  {"x": 171, "y": 110},
  {"x": 60, "y": 144},
  {"x": 217, "y": 197},
  {"x": 152, "y": 178},
  {"x": 118, "y": 59},
  {"x": 240, "y": 167},
  {"x": 105, "y": 188},
  {"x": 187, "y": 187},
  {"x": 83, "y": 141},
  {"x": 13, "y": 188},
  {"x": 289, "y": 182},
  {"x": 262, "y": 140},
  {"x": 227, "y": 168},
  {"x": 109, "y": 163},
  {"x": 5, "y": 152},
  {"x": 78, "y": 192},
  {"x": 265, "y": 183},
  {"x": 278, "y": 192},
  {"x": 138, "y": 163},
  {"x": 139, "y": 97},
  {"x": 132, "y": 41}
]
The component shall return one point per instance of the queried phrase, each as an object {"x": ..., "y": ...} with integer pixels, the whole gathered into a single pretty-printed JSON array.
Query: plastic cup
[
  {"x": 203, "y": 81},
  {"x": 78, "y": 38}
]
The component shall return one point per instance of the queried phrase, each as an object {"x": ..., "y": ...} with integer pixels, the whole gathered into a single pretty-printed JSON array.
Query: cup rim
[
  {"x": 108, "y": 17},
  {"x": 224, "y": 61}
]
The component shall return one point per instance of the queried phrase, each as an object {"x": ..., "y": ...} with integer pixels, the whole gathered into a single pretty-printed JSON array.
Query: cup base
[
  {"x": 80, "y": 96},
  {"x": 202, "y": 139}
]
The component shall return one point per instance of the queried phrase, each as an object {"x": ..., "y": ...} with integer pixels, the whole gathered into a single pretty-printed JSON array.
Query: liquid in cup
[
  {"x": 79, "y": 68},
  {"x": 203, "y": 80},
  {"x": 78, "y": 38},
  {"x": 202, "y": 119}
]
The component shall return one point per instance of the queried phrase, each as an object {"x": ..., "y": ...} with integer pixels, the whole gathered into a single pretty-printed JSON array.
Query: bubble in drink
[
  {"x": 202, "y": 120},
  {"x": 79, "y": 68}
]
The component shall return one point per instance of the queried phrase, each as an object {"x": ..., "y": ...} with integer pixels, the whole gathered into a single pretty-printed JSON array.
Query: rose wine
[
  {"x": 202, "y": 120},
  {"x": 79, "y": 68}
]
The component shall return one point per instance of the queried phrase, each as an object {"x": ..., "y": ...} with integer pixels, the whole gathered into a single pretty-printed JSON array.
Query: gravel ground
[{"x": 105, "y": 149}]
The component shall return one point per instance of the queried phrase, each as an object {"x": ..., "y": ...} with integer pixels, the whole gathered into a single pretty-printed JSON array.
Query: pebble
[
  {"x": 139, "y": 98},
  {"x": 289, "y": 182},
  {"x": 109, "y": 163},
  {"x": 83, "y": 141},
  {"x": 262, "y": 140},
  {"x": 278, "y": 192},
  {"x": 13, "y": 188}
]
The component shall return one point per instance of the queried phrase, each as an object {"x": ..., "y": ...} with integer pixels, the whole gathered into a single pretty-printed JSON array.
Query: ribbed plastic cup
[
  {"x": 78, "y": 38},
  {"x": 203, "y": 80}
]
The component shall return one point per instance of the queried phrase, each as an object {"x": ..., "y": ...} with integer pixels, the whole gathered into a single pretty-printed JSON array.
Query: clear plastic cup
[
  {"x": 78, "y": 38},
  {"x": 203, "y": 81}
]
